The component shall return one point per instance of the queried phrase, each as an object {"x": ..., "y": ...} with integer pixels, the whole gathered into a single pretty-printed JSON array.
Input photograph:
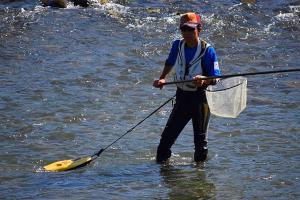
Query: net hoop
[{"x": 228, "y": 98}]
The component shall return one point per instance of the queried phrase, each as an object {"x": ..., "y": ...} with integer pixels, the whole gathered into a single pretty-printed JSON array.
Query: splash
[
  {"x": 113, "y": 9},
  {"x": 38, "y": 166},
  {"x": 286, "y": 17},
  {"x": 295, "y": 9}
]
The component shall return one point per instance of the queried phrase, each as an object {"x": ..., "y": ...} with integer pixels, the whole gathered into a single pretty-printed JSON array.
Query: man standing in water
[{"x": 191, "y": 58}]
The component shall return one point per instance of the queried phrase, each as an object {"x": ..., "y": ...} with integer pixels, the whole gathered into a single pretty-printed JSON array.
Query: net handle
[
  {"x": 234, "y": 75},
  {"x": 225, "y": 88}
]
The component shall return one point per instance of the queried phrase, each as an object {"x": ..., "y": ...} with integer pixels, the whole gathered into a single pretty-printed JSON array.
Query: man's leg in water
[
  {"x": 176, "y": 122},
  {"x": 200, "y": 126}
]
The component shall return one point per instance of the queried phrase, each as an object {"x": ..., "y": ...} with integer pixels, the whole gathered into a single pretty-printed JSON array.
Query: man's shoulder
[
  {"x": 205, "y": 44},
  {"x": 210, "y": 50},
  {"x": 176, "y": 43}
]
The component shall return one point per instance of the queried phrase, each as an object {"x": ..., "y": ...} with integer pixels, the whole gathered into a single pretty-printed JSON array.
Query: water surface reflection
[{"x": 187, "y": 182}]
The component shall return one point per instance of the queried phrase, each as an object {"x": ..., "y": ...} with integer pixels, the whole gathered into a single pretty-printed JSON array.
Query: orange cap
[{"x": 190, "y": 19}]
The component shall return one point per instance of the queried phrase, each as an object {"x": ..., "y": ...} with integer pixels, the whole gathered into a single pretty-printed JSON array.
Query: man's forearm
[{"x": 165, "y": 71}]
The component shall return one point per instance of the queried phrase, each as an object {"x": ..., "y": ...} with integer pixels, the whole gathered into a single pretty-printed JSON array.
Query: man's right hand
[{"x": 159, "y": 83}]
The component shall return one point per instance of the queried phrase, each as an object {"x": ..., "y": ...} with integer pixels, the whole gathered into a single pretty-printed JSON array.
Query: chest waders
[{"x": 190, "y": 105}]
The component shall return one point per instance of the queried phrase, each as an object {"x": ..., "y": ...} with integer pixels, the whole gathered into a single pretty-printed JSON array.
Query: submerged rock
[
  {"x": 249, "y": 1},
  {"x": 55, "y": 3},
  {"x": 64, "y": 3}
]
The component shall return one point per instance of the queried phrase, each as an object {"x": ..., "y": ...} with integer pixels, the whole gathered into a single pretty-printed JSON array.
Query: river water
[{"x": 73, "y": 80}]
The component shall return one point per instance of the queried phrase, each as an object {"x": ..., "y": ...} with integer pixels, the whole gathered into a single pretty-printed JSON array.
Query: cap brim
[{"x": 191, "y": 25}]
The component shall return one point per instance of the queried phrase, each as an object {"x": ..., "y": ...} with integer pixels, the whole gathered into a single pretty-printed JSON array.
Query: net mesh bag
[{"x": 228, "y": 98}]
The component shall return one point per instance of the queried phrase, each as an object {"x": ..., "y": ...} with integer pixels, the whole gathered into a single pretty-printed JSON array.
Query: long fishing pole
[
  {"x": 234, "y": 75},
  {"x": 65, "y": 165},
  {"x": 101, "y": 150}
]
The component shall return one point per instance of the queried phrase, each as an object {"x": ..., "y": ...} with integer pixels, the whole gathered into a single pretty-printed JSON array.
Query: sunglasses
[{"x": 187, "y": 29}]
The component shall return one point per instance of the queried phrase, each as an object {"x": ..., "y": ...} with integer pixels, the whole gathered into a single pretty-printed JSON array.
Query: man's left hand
[{"x": 200, "y": 81}]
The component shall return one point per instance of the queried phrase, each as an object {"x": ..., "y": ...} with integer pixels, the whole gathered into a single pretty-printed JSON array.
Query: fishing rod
[
  {"x": 234, "y": 75},
  {"x": 66, "y": 165}
]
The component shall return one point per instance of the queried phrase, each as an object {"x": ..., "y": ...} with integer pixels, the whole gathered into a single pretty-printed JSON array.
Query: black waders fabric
[{"x": 189, "y": 105}]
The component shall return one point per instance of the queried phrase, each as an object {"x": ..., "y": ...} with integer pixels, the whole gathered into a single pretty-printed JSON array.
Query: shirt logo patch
[{"x": 216, "y": 66}]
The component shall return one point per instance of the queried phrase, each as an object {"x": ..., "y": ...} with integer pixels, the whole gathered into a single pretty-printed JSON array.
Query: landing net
[{"x": 228, "y": 98}]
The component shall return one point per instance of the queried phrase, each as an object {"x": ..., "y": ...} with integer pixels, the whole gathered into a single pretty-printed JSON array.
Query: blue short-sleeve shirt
[{"x": 209, "y": 61}]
